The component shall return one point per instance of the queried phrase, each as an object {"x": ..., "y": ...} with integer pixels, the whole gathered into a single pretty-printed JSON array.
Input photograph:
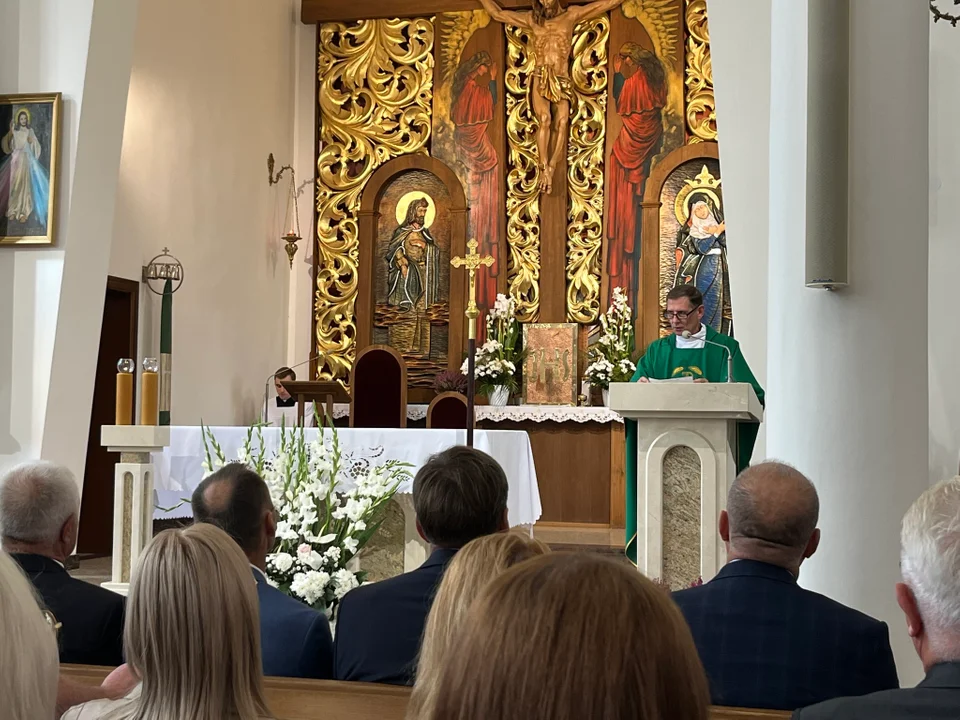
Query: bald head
[
  {"x": 237, "y": 500},
  {"x": 772, "y": 511}
]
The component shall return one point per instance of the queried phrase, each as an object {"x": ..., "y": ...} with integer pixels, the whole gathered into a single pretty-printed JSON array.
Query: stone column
[
  {"x": 847, "y": 370},
  {"x": 133, "y": 495}
]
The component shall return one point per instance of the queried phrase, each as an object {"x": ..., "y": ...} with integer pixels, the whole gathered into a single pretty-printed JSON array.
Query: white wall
[
  {"x": 209, "y": 100},
  {"x": 741, "y": 73},
  {"x": 944, "y": 251},
  {"x": 45, "y": 46}
]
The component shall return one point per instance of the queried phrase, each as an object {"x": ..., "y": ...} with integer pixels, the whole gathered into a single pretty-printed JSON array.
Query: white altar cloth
[{"x": 180, "y": 466}]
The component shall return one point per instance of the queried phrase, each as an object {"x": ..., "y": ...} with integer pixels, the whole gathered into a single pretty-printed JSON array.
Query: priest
[{"x": 691, "y": 350}]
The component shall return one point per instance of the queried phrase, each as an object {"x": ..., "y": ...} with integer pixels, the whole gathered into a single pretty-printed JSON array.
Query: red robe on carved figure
[{"x": 641, "y": 92}]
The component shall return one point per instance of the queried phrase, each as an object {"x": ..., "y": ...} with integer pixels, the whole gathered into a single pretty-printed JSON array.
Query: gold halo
[
  {"x": 682, "y": 206},
  {"x": 404, "y": 204},
  {"x": 23, "y": 110}
]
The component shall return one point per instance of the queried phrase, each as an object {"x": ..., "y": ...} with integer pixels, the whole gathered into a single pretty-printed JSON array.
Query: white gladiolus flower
[
  {"x": 358, "y": 526},
  {"x": 285, "y": 532},
  {"x": 350, "y": 544}
]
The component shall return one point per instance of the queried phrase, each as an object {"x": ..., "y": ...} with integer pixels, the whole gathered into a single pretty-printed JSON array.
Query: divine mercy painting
[{"x": 29, "y": 140}]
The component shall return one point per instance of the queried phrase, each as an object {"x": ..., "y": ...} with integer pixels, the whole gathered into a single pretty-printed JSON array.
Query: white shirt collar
[
  {"x": 259, "y": 571},
  {"x": 695, "y": 341}
]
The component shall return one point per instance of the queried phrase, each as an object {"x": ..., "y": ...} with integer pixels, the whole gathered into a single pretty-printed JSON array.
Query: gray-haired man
[
  {"x": 930, "y": 599},
  {"x": 39, "y": 519}
]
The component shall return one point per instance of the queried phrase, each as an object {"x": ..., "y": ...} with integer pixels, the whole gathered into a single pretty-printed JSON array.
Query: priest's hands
[
  {"x": 643, "y": 380},
  {"x": 701, "y": 380}
]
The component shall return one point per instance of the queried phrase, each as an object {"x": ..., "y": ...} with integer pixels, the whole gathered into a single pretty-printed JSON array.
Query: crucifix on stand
[{"x": 472, "y": 262}]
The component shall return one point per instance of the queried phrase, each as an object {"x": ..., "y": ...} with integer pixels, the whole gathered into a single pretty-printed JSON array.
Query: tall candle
[
  {"x": 150, "y": 393},
  {"x": 124, "y": 404}
]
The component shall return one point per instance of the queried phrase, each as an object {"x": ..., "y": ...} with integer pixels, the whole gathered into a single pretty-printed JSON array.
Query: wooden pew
[{"x": 331, "y": 700}]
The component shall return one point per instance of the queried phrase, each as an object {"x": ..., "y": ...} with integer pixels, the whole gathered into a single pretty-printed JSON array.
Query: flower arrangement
[
  {"x": 450, "y": 381},
  {"x": 499, "y": 357},
  {"x": 610, "y": 357},
  {"x": 321, "y": 526}
]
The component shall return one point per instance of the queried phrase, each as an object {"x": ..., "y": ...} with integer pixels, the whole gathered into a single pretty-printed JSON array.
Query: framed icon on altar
[{"x": 550, "y": 368}]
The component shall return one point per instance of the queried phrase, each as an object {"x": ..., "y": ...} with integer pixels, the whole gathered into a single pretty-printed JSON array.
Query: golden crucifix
[{"x": 472, "y": 262}]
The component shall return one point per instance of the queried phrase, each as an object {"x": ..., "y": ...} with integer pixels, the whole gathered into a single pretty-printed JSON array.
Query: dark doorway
[{"x": 118, "y": 339}]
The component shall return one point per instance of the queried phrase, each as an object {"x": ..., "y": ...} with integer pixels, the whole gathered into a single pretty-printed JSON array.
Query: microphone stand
[{"x": 687, "y": 335}]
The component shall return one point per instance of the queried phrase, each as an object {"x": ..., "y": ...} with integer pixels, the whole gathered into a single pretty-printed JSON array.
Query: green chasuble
[{"x": 664, "y": 360}]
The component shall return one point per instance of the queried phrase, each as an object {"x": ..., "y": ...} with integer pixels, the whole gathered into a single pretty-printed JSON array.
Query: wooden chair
[
  {"x": 332, "y": 700},
  {"x": 378, "y": 389},
  {"x": 448, "y": 411}
]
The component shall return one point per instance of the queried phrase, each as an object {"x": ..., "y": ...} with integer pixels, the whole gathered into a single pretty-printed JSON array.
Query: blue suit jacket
[
  {"x": 295, "y": 639},
  {"x": 379, "y": 626},
  {"x": 765, "y": 642}
]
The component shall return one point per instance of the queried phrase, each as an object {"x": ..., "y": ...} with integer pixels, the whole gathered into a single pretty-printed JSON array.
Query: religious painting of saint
[
  {"x": 474, "y": 106},
  {"x": 29, "y": 139},
  {"x": 412, "y": 274},
  {"x": 693, "y": 239},
  {"x": 640, "y": 91}
]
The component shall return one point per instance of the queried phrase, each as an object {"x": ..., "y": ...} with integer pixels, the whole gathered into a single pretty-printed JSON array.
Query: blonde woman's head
[
  {"x": 192, "y": 628},
  {"x": 471, "y": 570},
  {"x": 29, "y": 666},
  {"x": 570, "y": 636}
]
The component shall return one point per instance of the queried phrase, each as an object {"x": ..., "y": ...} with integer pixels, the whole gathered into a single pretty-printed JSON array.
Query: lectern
[
  {"x": 686, "y": 460},
  {"x": 326, "y": 392}
]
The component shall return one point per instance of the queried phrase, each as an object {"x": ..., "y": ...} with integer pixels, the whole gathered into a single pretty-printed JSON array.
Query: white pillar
[
  {"x": 847, "y": 371},
  {"x": 740, "y": 52}
]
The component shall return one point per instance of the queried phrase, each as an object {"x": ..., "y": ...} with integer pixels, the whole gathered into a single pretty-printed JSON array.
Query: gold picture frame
[
  {"x": 30, "y": 128},
  {"x": 550, "y": 368}
]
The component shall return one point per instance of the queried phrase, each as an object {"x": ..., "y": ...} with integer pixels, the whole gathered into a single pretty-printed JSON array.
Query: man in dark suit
[
  {"x": 930, "y": 599},
  {"x": 295, "y": 639},
  {"x": 460, "y": 494},
  {"x": 39, "y": 519},
  {"x": 765, "y": 642}
]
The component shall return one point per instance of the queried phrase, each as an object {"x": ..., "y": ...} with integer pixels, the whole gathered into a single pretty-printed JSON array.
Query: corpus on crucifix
[
  {"x": 551, "y": 28},
  {"x": 471, "y": 262}
]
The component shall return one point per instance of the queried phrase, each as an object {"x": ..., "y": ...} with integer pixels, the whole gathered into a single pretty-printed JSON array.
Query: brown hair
[
  {"x": 573, "y": 636},
  {"x": 459, "y": 494},
  {"x": 471, "y": 570},
  {"x": 284, "y": 373},
  {"x": 541, "y": 14},
  {"x": 689, "y": 292}
]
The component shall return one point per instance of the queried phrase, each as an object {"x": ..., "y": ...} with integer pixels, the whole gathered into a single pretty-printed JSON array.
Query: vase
[
  {"x": 499, "y": 395},
  {"x": 606, "y": 397}
]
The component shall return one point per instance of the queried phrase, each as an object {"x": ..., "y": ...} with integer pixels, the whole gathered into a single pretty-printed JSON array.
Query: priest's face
[
  {"x": 281, "y": 391},
  {"x": 683, "y": 316}
]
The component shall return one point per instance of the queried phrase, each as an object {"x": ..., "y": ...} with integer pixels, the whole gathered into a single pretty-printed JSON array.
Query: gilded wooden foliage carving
[
  {"x": 376, "y": 85},
  {"x": 523, "y": 177},
  {"x": 701, "y": 107},
  {"x": 585, "y": 171}
]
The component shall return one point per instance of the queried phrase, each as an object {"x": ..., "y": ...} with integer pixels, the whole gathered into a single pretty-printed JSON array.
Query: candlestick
[
  {"x": 150, "y": 392},
  {"x": 124, "y": 403}
]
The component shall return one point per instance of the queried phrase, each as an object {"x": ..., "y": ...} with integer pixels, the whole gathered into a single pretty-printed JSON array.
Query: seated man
[
  {"x": 295, "y": 639},
  {"x": 930, "y": 599},
  {"x": 283, "y": 411},
  {"x": 459, "y": 495},
  {"x": 765, "y": 642},
  {"x": 39, "y": 519}
]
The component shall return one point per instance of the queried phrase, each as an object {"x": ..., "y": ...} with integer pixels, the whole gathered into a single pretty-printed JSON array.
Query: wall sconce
[{"x": 292, "y": 219}]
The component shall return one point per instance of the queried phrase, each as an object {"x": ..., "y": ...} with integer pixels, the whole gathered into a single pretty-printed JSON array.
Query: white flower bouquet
[
  {"x": 320, "y": 527},
  {"x": 500, "y": 356},
  {"x": 610, "y": 357}
]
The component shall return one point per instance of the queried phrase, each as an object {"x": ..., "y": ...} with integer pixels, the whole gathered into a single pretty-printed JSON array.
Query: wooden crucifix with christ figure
[{"x": 551, "y": 29}]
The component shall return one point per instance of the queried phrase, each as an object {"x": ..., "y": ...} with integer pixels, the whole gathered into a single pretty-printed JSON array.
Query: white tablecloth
[
  {"x": 179, "y": 467},
  {"x": 515, "y": 413}
]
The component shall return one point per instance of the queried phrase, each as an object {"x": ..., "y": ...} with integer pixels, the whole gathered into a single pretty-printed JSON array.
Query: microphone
[
  {"x": 269, "y": 380},
  {"x": 686, "y": 335}
]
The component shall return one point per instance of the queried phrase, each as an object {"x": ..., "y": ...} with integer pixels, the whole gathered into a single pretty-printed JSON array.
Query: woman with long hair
[
  {"x": 29, "y": 662},
  {"x": 192, "y": 633},
  {"x": 572, "y": 636},
  {"x": 474, "y": 567}
]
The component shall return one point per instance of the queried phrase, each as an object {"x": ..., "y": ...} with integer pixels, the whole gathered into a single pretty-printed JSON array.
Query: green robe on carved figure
[{"x": 664, "y": 360}]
